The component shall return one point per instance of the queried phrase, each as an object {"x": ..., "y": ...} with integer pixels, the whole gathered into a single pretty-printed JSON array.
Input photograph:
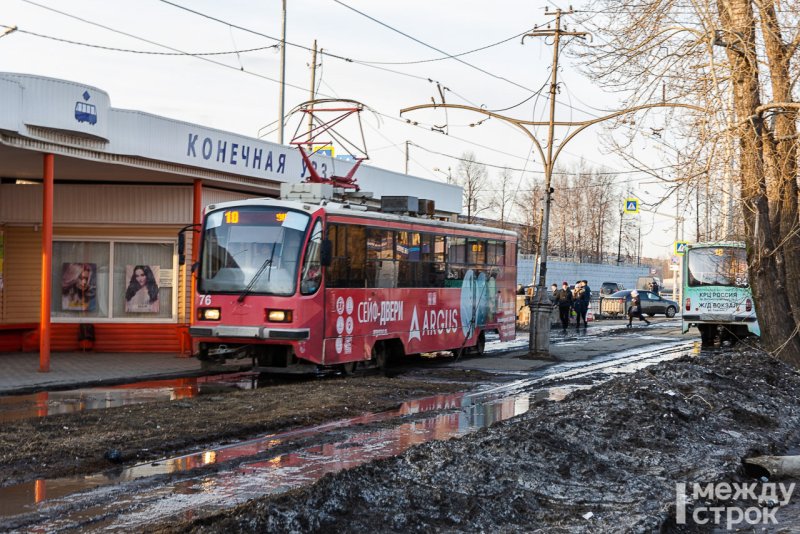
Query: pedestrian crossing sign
[
  {"x": 631, "y": 205},
  {"x": 325, "y": 150},
  {"x": 680, "y": 247}
]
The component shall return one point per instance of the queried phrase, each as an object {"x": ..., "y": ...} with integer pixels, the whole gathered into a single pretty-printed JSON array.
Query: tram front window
[{"x": 251, "y": 248}]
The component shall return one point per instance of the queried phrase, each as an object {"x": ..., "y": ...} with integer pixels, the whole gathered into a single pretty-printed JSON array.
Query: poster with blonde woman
[
  {"x": 142, "y": 293},
  {"x": 78, "y": 286}
]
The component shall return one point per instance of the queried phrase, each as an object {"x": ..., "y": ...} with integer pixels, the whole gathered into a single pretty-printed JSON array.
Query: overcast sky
[{"x": 387, "y": 55}]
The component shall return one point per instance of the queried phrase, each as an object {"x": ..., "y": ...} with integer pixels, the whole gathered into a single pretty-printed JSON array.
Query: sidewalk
[{"x": 19, "y": 371}]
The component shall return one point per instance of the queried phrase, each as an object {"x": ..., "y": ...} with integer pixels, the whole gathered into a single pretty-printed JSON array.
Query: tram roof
[{"x": 358, "y": 211}]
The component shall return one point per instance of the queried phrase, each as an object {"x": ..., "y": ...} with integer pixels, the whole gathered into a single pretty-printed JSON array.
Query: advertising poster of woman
[
  {"x": 142, "y": 293},
  {"x": 78, "y": 287}
]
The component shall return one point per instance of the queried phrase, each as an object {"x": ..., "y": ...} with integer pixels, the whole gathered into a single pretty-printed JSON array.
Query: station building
[{"x": 89, "y": 192}]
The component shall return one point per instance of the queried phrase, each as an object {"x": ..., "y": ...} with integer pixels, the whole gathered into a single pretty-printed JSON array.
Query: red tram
[{"x": 297, "y": 286}]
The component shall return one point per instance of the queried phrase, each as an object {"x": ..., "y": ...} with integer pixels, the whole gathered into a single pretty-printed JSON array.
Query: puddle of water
[
  {"x": 129, "y": 505},
  {"x": 253, "y": 479},
  {"x": 128, "y": 502},
  {"x": 17, "y": 407},
  {"x": 45, "y": 403}
]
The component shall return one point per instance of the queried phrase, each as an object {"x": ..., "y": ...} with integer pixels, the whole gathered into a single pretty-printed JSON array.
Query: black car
[
  {"x": 609, "y": 288},
  {"x": 617, "y": 304}
]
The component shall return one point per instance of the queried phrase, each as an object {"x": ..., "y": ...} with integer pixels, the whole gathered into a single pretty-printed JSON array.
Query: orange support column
[{"x": 47, "y": 260}]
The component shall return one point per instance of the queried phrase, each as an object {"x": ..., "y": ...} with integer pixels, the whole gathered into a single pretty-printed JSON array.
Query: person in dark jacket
[
  {"x": 586, "y": 298},
  {"x": 553, "y": 293},
  {"x": 577, "y": 304},
  {"x": 635, "y": 309},
  {"x": 654, "y": 287},
  {"x": 564, "y": 303}
]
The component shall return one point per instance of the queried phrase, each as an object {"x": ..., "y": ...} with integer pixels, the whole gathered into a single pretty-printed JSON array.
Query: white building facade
[{"x": 87, "y": 189}]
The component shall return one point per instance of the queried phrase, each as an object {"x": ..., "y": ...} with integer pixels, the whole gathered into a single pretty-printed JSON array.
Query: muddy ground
[
  {"x": 92, "y": 441},
  {"x": 603, "y": 460}
]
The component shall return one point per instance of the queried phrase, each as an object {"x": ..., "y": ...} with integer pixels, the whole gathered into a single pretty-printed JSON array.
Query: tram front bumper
[{"x": 250, "y": 332}]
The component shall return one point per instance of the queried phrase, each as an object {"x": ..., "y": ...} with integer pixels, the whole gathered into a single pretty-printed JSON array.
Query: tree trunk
[
  {"x": 767, "y": 278},
  {"x": 785, "y": 153}
]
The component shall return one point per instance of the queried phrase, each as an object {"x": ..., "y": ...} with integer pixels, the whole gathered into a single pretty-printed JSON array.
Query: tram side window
[
  {"x": 425, "y": 267},
  {"x": 496, "y": 253},
  {"x": 439, "y": 265},
  {"x": 356, "y": 256},
  {"x": 409, "y": 272},
  {"x": 456, "y": 260},
  {"x": 349, "y": 247},
  {"x": 336, "y": 272},
  {"x": 476, "y": 253},
  {"x": 381, "y": 265}
]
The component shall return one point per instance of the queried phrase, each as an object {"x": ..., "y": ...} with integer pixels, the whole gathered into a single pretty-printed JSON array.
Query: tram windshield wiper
[{"x": 259, "y": 272}]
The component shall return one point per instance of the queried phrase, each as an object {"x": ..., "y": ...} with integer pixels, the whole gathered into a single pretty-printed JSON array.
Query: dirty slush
[{"x": 605, "y": 459}]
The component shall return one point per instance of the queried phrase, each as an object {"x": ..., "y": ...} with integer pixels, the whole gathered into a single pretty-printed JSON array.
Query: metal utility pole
[
  {"x": 407, "y": 143},
  {"x": 282, "y": 95},
  {"x": 619, "y": 242},
  {"x": 542, "y": 307},
  {"x": 313, "y": 93}
]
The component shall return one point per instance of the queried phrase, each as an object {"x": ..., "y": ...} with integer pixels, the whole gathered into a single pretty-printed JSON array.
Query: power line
[
  {"x": 449, "y": 56},
  {"x": 430, "y": 46},
  {"x": 143, "y": 52},
  {"x": 302, "y": 47},
  {"x": 86, "y": 21}
]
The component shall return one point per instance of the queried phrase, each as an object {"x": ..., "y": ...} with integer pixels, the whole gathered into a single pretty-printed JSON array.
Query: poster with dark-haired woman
[
  {"x": 78, "y": 287},
  {"x": 142, "y": 293}
]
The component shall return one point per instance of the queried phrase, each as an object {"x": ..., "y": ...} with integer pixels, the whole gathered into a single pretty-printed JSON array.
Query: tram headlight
[
  {"x": 279, "y": 316},
  {"x": 209, "y": 314}
]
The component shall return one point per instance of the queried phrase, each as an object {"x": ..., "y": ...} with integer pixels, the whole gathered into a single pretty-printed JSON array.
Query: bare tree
[
  {"x": 528, "y": 203},
  {"x": 669, "y": 50},
  {"x": 584, "y": 216},
  {"x": 501, "y": 201},
  {"x": 472, "y": 176}
]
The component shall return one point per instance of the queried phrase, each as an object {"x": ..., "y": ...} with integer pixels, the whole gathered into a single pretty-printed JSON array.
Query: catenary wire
[{"x": 143, "y": 52}]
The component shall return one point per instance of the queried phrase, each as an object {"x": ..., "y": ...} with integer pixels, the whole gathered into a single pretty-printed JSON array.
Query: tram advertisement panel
[{"x": 424, "y": 320}]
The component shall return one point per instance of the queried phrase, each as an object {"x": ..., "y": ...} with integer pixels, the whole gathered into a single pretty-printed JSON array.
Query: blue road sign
[{"x": 631, "y": 205}]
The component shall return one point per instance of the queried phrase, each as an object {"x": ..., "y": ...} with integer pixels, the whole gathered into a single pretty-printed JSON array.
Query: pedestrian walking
[
  {"x": 564, "y": 303},
  {"x": 635, "y": 309}
]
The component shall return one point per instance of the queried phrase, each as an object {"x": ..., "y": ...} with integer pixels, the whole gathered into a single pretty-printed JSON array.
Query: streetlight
[{"x": 539, "y": 344}]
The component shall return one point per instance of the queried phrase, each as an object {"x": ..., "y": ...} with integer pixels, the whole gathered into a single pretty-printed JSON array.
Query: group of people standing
[{"x": 567, "y": 300}]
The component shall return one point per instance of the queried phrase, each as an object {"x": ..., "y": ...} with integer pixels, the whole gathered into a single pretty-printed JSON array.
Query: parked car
[
  {"x": 608, "y": 288},
  {"x": 616, "y": 305}
]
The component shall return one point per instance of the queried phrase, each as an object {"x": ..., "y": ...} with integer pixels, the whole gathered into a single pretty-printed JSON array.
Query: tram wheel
[
  {"x": 708, "y": 334},
  {"x": 478, "y": 348},
  {"x": 380, "y": 356},
  {"x": 349, "y": 368}
]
